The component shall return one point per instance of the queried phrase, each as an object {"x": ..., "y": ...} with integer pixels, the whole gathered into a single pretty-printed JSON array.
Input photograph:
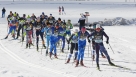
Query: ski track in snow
[{"x": 36, "y": 58}]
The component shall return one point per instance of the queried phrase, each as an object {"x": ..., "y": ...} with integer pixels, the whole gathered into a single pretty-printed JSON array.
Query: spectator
[
  {"x": 3, "y": 12},
  {"x": 81, "y": 21},
  {"x": 63, "y": 10},
  {"x": 59, "y": 10}
]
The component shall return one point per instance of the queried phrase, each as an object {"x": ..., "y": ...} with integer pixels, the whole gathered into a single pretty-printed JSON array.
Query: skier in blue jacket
[
  {"x": 82, "y": 35},
  {"x": 54, "y": 39},
  {"x": 48, "y": 31}
]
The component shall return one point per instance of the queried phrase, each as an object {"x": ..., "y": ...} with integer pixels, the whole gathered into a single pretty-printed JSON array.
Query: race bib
[
  {"x": 98, "y": 41},
  {"x": 50, "y": 21},
  {"x": 28, "y": 28},
  {"x": 38, "y": 27}
]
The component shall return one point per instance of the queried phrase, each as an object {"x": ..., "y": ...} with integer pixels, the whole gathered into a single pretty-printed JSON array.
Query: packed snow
[{"x": 16, "y": 61}]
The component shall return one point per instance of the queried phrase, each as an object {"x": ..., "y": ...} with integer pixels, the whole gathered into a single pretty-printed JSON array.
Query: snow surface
[{"x": 16, "y": 61}]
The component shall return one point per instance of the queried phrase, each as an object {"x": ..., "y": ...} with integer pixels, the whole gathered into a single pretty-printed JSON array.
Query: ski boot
[
  {"x": 44, "y": 46},
  {"x": 81, "y": 63},
  {"x": 62, "y": 50},
  {"x": 50, "y": 54},
  {"x": 55, "y": 56},
  {"x": 17, "y": 37},
  {"x": 68, "y": 61},
  {"x": 98, "y": 67},
  {"x": 103, "y": 56},
  {"x": 37, "y": 48},
  {"x": 27, "y": 45},
  {"x": 77, "y": 62},
  {"x": 13, "y": 36}
]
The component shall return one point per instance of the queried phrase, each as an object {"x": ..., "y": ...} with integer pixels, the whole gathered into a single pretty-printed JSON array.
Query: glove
[
  {"x": 89, "y": 41},
  {"x": 107, "y": 42}
]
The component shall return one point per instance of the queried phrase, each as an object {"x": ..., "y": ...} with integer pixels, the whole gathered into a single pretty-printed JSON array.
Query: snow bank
[
  {"x": 117, "y": 21},
  {"x": 111, "y": 22}
]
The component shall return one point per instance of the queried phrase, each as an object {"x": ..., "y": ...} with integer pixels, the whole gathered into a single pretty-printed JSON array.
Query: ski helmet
[
  {"x": 59, "y": 19},
  {"x": 69, "y": 20},
  {"x": 43, "y": 13},
  {"x": 98, "y": 27}
]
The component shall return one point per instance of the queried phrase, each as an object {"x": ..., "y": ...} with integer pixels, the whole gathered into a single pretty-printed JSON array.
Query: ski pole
[
  {"x": 66, "y": 55},
  {"x": 91, "y": 53},
  {"x": 41, "y": 49},
  {"x": 60, "y": 42},
  {"x": 22, "y": 41},
  {"x": 68, "y": 46},
  {"x": 22, "y": 35},
  {"x": 88, "y": 50},
  {"x": 111, "y": 48},
  {"x": 33, "y": 33},
  {"x": 7, "y": 28}
]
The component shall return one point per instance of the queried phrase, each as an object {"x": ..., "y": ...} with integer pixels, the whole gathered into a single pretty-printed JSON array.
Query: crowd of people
[{"x": 53, "y": 31}]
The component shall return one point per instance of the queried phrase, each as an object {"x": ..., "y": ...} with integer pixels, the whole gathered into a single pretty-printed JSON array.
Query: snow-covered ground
[{"x": 16, "y": 61}]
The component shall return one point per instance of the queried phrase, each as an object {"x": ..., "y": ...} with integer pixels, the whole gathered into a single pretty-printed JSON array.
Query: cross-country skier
[
  {"x": 54, "y": 40},
  {"x": 98, "y": 38},
  {"x": 22, "y": 21},
  {"x": 60, "y": 23},
  {"x": 74, "y": 45},
  {"x": 93, "y": 41},
  {"x": 39, "y": 27},
  {"x": 28, "y": 33},
  {"x": 24, "y": 26},
  {"x": 62, "y": 35},
  {"x": 82, "y": 35},
  {"x": 12, "y": 27},
  {"x": 48, "y": 31}
]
